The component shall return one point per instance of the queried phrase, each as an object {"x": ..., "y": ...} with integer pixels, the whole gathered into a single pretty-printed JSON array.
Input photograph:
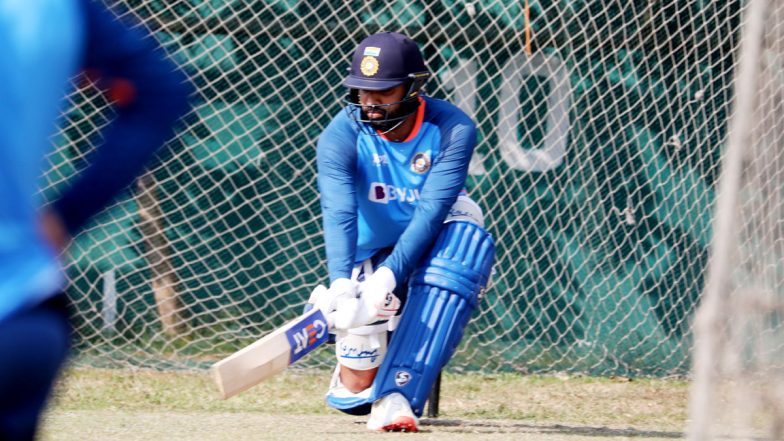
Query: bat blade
[{"x": 271, "y": 354}]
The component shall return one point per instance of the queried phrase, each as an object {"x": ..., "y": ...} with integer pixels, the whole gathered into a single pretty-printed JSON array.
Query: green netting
[{"x": 596, "y": 165}]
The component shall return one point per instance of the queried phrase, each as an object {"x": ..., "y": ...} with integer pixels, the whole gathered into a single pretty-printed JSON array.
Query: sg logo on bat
[{"x": 307, "y": 335}]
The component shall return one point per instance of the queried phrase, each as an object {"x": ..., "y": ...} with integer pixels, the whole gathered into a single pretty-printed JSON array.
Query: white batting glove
[
  {"x": 376, "y": 301},
  {"x": 327, "y": 300},
  {"x": 376, "y": 293}
]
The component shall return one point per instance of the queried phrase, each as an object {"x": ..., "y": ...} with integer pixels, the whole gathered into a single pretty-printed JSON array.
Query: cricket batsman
[
  {"x": 400, "y": 231},
  {"x": 44, "y": 43}
]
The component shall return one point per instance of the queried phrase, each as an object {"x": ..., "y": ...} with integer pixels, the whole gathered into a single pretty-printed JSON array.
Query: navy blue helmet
[{"x": 383, "y": 61}]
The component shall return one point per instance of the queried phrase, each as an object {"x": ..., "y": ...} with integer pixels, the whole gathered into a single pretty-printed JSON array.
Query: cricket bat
[{"x": 271, "y": 354}]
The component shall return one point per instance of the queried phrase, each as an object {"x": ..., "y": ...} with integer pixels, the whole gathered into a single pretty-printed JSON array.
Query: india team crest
[
  {"x": 421, "y": 163},
  {"x": 369, "y": 66}
]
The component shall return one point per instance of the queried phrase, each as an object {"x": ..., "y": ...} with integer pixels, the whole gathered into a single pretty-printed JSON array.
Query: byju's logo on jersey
[
  {"x": 420, "y": 163},
  {"x": 384, "y": 193}
]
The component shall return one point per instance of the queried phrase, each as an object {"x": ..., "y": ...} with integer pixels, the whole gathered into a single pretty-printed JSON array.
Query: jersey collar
[{"x": 420, "y": 117}]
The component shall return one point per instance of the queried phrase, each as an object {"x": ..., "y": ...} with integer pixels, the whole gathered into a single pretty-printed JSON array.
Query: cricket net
[
  {"x": 600, "y": 132},
  {"x": 738, "y": 389}
]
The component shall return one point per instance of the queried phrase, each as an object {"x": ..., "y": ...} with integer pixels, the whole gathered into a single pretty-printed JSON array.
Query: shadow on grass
[{"x": 511, "y": 427}]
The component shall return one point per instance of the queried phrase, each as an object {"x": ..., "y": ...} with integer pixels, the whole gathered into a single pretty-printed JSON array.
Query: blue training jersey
[
  {"x": 43, "y": 44},
  {"x": 40, "y": 42},
  {"x": 377, "y": 193}
]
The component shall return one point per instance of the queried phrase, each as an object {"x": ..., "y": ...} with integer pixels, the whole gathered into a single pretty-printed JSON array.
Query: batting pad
[{"x": 443, "y": 293}]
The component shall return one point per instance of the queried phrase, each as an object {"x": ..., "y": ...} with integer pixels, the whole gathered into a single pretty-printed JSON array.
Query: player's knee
[
  {"x": 355, "y": 380},
  {"x": 460, "y": 262}
]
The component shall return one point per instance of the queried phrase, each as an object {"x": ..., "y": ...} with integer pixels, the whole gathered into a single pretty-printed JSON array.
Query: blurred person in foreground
[{"x": 44, "y": 43}]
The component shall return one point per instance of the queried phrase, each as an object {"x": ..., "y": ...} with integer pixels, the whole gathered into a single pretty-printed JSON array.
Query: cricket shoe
[{"x": 392, "y": 413}]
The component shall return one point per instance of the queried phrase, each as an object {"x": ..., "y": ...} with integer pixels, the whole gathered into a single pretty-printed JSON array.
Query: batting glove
[
  {"x": 376, "y": 301},
  {"x": 327, "y": 300}
]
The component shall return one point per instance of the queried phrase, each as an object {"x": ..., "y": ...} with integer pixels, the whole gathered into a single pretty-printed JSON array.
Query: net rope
[
  {"x": 739, "y": 361},
  {"x": 596, "y": 164}
]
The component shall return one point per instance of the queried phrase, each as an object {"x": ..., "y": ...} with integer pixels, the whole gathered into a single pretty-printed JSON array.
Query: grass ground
[{"x": 125, "y": 405}]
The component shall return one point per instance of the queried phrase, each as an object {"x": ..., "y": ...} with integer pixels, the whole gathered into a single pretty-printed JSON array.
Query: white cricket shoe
[{"x": 392, "y": 413}]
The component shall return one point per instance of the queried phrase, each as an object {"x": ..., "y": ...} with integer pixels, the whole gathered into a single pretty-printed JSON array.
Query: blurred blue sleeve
[
  {"x": 337, "y": 163},
  {"x": 443, "y": 184},
  {"x": 153, "y": 95}
]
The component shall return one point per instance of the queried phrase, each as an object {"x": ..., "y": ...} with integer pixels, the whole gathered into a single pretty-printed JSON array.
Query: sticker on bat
[{"x": 307, "y": 335}]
